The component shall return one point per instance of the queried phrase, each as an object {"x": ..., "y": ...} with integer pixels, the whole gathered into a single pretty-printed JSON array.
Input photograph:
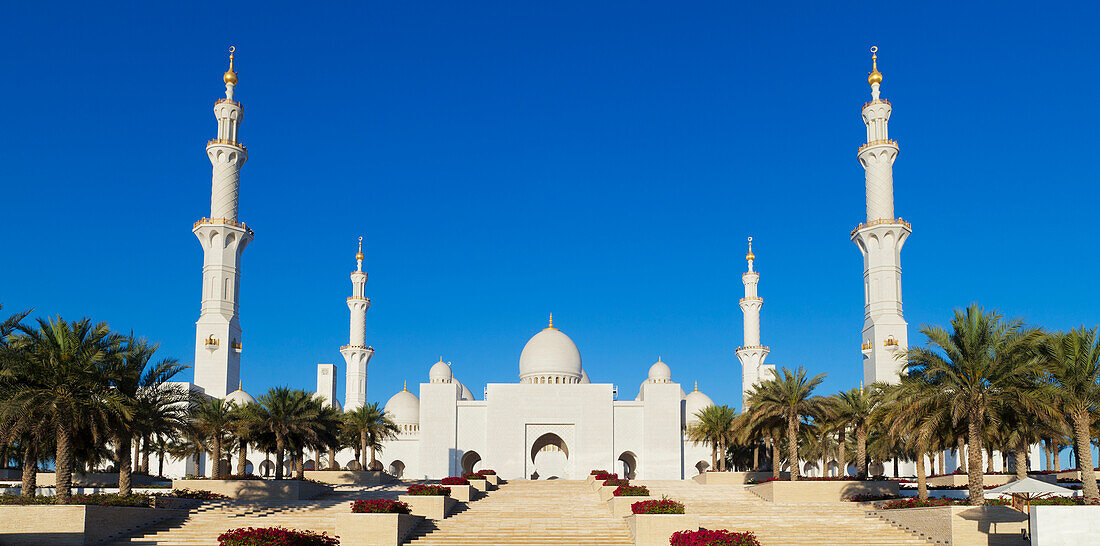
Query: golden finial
[
  {"x": 359, "y": 255},
  {"x": 230, "y": 76},
  {"x": 240, "y": 385},
  {"x": 875, "y": 76},
  {"x": 405, "y": 387},
  {"x": 696, "y": 386},
  {"x": 551, "y": 327},
  {"x": 750, "y": 256}
]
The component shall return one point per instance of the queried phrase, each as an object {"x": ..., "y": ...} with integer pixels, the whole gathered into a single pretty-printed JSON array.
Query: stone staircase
[
  {"x": 203, "y": 524},
  {"x": 529, "y": 513},
  {"x": 735, "y": 508}
]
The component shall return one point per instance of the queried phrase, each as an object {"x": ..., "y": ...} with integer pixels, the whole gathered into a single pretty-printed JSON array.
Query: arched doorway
[
  {"x": 628, "y": 465},
  {"x": 702, "y": 466},
  {"x": 352, "y": 465},
  {"x": 267, "y": 468},
  {"x": 311, "y": 465},
  {"x": 549, "y": 457},
  {"x": 471, "y": 462},
  {"x": 397, "y": 468}
]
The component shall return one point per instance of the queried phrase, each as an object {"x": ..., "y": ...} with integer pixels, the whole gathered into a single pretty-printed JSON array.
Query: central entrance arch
[{"x": 549, "y": 457}]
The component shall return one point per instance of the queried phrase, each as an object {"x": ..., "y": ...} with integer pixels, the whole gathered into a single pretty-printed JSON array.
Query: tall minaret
[
  {"x": 752, "y": 353},
  {"x": 880, "y": 240},
  {"x": 356, "y": 353},
  {"x": 223, "y": 238}
]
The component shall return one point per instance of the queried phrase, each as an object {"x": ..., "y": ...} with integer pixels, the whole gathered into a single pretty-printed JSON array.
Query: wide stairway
[
  {"x": 735, "y": 508},
  {"x": 204, "y": 524},
  {"x": 530, "y": 513}
]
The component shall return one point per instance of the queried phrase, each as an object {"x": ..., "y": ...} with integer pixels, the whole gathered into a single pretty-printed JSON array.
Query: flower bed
[
  {"x": 594, "y": 472},
  {"x": 429, "y": 490},
  {"x": 274, "y": 536},
  {"x": 1063, "y": 501},
  {"x": 867, "y": 497},
  {"x": 631, "y": 491},
  {"x": 719, "y": 537},
  {"x": 473, "y": 476},
  {"x": 603, "y": 476},
  {"x": 196, "y": 494},
  {"x": 662, "y": 506},
  {"x": 379, "y": 506},
  {"x": 455, "y": 480},
  {"x": 487, "y": 472},
  {"x": 226, "y": 477},
  {"x": 136, "y": 500},
  {"x": 808, "y": 479},
  {"x": 914, "y": 502},
  {"x": 615, "y": 482}
]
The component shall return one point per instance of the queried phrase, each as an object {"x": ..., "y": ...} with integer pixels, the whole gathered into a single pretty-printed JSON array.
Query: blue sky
[{"x": 505, "y": 160}]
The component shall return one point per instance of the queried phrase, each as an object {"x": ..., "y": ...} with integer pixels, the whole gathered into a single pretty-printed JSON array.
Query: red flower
[
  {"x": 719, "y": 537},
  {"x": 473, "y": 476},
  {"x": 379, "y": 506},
  {"x": 602, "y": 476},
  {"x": 487, "y": 472},
  {"x": 274, "y": 536},
  {"x": 663, "y": 506},
  {"x": 455, "y": 480},
  {"x": 631, "y": 491},
  {"x": 417, "y": 489}
]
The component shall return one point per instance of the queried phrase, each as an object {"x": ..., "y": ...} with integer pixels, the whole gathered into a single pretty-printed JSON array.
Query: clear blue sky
[{"x": 505, "y": 160}]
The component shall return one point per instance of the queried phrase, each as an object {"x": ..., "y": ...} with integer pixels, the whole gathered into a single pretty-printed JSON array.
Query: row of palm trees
[
  {"x": 985, "y": 384},
  {"x": 79, "y": 396}
]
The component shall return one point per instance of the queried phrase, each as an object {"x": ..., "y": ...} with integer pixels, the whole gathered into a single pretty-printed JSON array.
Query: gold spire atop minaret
[
  {"x": 750, "y": 256},
  {"x": 696, "y": 386},
  {"x": 230, "y": 76},
  {"x": 405, "y": 386},
  {"x": 874, "y": 76},
  {"x": 359, "y": 255},
  {"x": 551, "y": 327}
]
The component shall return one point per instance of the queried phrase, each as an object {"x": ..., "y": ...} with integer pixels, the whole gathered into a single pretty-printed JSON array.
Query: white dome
[
  {"x": 694, "y": 402},
  {"x": 404, "y": 408},
  {"x": 440, "y": 372},
  {"x": 550, "y": 353},
  {"x": 584, "y": 377},
  {"x": 659, "y": 372},
  {"x": 239, "y": 397},
  {"x": 464, "y": 391}
]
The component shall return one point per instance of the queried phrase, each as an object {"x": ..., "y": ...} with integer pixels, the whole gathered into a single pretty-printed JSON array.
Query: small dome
[
  {"x": 464, "y": 391},
  {"x": 584, "y": 377},
  {"x": 404, "y": 408},
  {"x": 239, "y": 397},
  {"x": 440, "y": 372},
  {"x": 694, "y": 402},
  {"x": 659, "y": 372},
  {"x": 550, "y": 352}
]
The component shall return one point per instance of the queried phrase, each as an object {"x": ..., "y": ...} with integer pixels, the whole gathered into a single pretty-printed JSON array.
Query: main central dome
[{"x": 550, "y": 357}]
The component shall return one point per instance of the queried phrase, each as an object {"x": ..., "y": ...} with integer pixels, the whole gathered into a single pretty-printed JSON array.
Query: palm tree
[
  {"x": 789, "y": 395},
  {"x": 855, "y": 407},
  {"x": 149, "y": 400},
  {"x": 61, "y": 377},
  {"x": 374, "y": 427},
  {"x": 213, "y": 418},
  {"x": 287, "y": 415},
  {"x": 1075, "y": 356},
  {"x": 980, "y": 364},
  {"x": 160, "y": 444},
  {"x": 714, "y": 428}
]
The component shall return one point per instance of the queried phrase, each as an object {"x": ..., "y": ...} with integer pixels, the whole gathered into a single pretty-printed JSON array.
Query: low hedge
[
  {"x": 914, "y": 502},
  {"x": 867, "y": 497},
  {"x": 631, "y": 491},
  {"x": 196, "y": 494},
  {"x": 616, "y": 482},
  {"x": 663, "y": 506},
  {"x": 455, "y": 480},
  {"x": 379, "y": 506},
  {"x": 718, "y": 537},
  {"x": 473, "y": 476},
  {"x": 429, "y": 490},
  {"x": 274, "y": 536},
  {"x": 487, "y": 472},
  {"x": 225, "y": 477},
  {"x": 136, "y": 500}
]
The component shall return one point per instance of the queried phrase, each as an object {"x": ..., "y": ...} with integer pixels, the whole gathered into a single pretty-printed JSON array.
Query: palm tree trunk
[
  {"x": 197, "y": 456},
  {"x": 137, "y": 454},
  {"x": 332, "y": 458},
  {"x": 301, "y": 470},
  {"x": 160, "y": 464},
  {"x": 961, "y": 448},
  {"x": 30, "y": 469},
  {"x": 280, "y": 446},
  {"x": 216, "y": 455},
  {"x": 989, "y": 461},
  {"x": 1081, "y": 421},
  {"x": 1021, "y": 460},
  {"x": 64, "y": 460},
  {"x": 364, "y": 465},
  {"x": 756, "y": 457},
  {"x": 714, "y": 456},
  {"x": 145, "y": 453},
  {"x": 792, "y": 445},
  {"x": 975, "y": 481},
  {"x": 124, "y": 463},
  {"x": 861, "y": 452},
  {"x": 1057, "y": 449},
  {"x": 1046, "y": 454},
  {"x": 775, "y": 458},
  {"x": 242, "y": 455},
  {"x": 922, "y": 478},
  {"x": 841, "y": 456}
]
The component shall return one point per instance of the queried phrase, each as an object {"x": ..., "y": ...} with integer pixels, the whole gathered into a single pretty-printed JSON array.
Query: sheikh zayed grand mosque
[{"x": 552, "y": 422}]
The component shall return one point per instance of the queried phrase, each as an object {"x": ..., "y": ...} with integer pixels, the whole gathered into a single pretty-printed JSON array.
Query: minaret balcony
[
  {"x": 211, "y": 343},
  {"x": 753, "y": 348},
  {"x": 866, "y": 347},
  {"x": 226, "y": 141},
  {"x": 868, "y": 103},
  {"x": 237, "y": 347},
  {"x": 223, "y": 221},
  {"x": 880, "y": 142},
  {"x": 358, "y": 298},
  {"x": 230, "y": 101},
  {"x": 882, "y": 221}
]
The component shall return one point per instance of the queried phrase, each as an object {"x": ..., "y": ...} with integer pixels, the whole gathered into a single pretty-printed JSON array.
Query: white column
[
  {"x": 356, "y": 353},
  {"x": 752, "y": 353}
]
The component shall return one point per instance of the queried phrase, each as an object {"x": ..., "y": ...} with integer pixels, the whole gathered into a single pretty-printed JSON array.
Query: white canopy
[{"x": 1032, "y": 486}]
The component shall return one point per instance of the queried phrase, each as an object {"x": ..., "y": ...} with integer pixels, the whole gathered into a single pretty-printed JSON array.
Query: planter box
[
  {"x": 257, "y": 489},
  {"x": 462, "y": 493},
  {"x": 955, "y": 480},
  {"x": 350, "y": 477},
  {"x": 96, "y": 479},
  {"x": 591, "y": 478},
  {"x": 821, "y": 491},
  {"x": 735, "y": 478},
  {"x": 73, "y": 525},
  {"x": 429, "y": 506},
  {"x": 1064, "y": 525},
  {"x": 375, "y": 529},
  {"x": 977, "y": 525},
  {"x": 172, "y": 503},
  {"x": 605, "y": 491},
  {"x": 1070, "y": 475},
  {"x": 481, "y": 485},
  {"x": 493, "y": 480},
  {"x": 657, "y": 529},
  {"x": 620, "y": 506}
]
